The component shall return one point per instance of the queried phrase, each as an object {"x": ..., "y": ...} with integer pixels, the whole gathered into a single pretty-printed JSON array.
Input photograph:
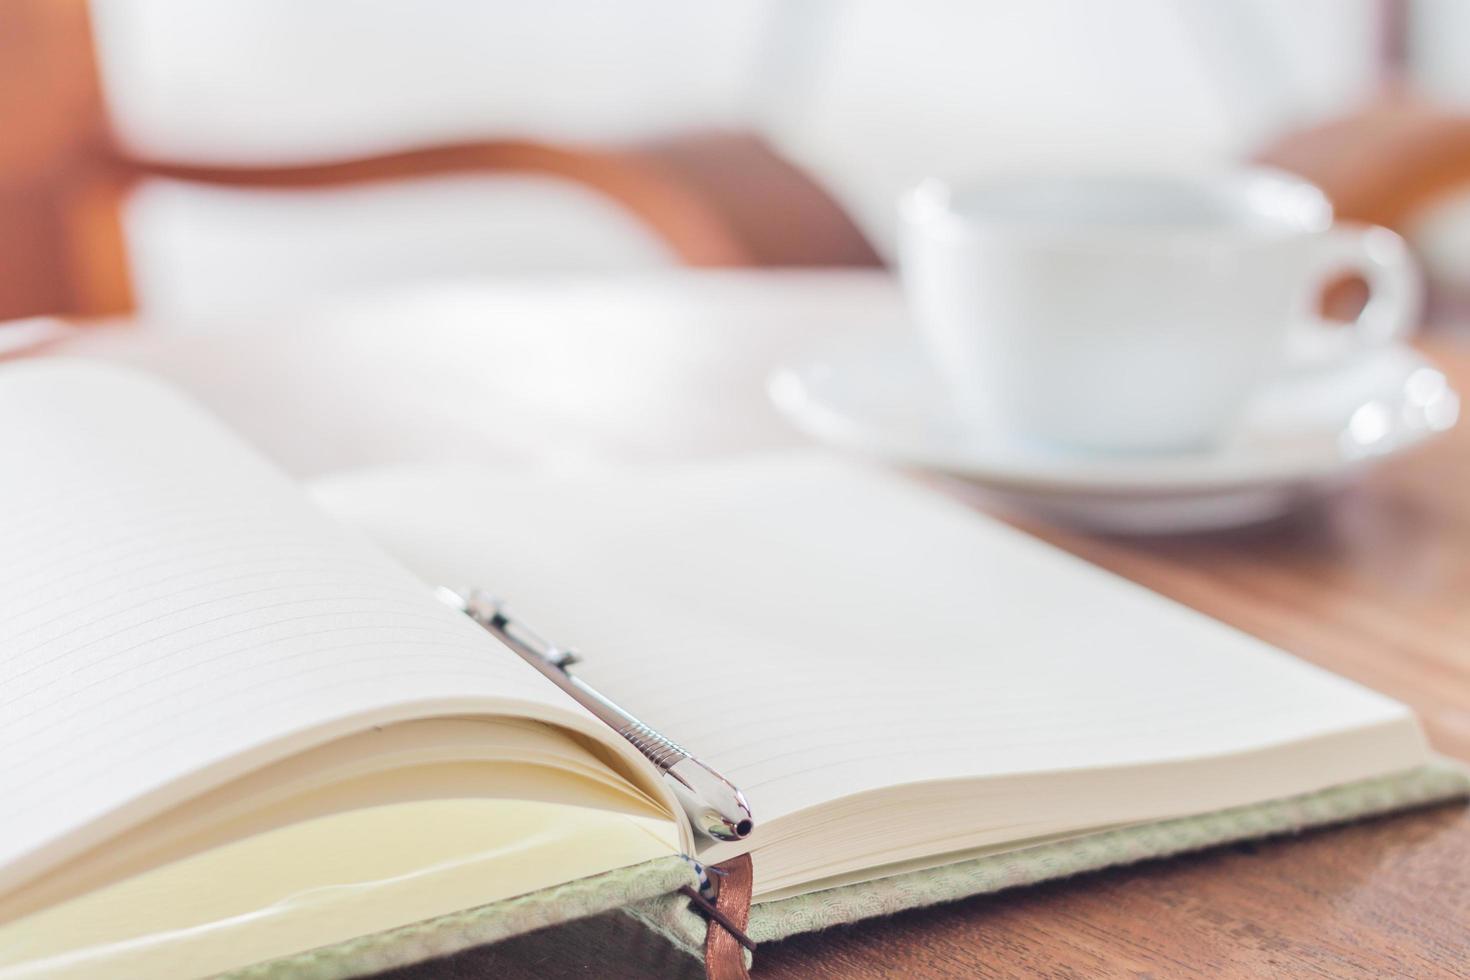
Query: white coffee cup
[{"x": 1136, "y": 313}]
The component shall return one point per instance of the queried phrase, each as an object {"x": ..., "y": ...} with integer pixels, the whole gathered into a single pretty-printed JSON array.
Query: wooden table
[{"x": 1374, "y": 585}]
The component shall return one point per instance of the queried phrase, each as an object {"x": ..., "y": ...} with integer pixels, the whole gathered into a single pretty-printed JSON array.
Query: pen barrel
[
  {"x": 661, "y": 751},
  {"x": 714, "y": 805}
]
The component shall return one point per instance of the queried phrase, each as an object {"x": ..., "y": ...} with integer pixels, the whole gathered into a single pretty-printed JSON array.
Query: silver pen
[{"x": 714, "y": 805}]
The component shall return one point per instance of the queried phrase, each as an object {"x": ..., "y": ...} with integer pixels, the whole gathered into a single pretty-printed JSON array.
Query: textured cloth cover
[
  {"x": 648, "y": 891},
  {"x": 885, "y": 896},
  {"x": 478, "y": 926}
]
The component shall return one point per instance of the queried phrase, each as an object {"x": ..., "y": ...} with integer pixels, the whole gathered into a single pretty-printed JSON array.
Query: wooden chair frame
[{"x": 716, "y": 198}]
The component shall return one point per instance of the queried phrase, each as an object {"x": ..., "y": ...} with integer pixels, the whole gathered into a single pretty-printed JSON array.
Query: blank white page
[
  {"x": 174, "y": 611},
  {"x": 816, "y": 628}
]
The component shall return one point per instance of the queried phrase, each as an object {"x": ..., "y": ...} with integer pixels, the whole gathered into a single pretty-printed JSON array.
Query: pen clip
[
  {"x": 489, "y": 611},
  {"x": 715, "y": 806}
]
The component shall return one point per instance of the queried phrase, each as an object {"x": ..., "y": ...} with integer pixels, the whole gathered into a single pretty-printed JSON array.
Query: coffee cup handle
[{"x": 1395, "y": 288}]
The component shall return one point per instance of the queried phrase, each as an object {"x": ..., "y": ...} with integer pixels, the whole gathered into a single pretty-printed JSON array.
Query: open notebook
[{"x": 235, "y": 731}]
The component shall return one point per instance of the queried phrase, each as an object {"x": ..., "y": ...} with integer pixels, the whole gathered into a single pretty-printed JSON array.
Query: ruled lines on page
[
  {"x": 816, "y": 630},
  {"x": 169, "y": 603}
]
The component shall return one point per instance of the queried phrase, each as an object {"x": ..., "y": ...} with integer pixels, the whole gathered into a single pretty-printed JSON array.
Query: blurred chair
[
  {"x": 1400, "y": 162},
  {"x": 1391, "y": 161},
  {"x": 711, "y": 198},
  {"x": 1393, "y": 157},
  {"x": 266, "y": 151}
]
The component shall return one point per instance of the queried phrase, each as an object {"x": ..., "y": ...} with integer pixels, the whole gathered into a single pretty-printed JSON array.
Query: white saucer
[{"x": 1307, "y": 433}]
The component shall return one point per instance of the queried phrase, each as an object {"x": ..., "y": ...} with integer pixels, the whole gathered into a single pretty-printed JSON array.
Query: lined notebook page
[
  {"x": 816, "y": 629},
  {"x": 172, "y": 608}
]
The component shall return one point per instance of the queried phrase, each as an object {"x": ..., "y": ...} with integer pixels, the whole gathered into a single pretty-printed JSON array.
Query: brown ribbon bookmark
[{"x": 725, "y": 940}]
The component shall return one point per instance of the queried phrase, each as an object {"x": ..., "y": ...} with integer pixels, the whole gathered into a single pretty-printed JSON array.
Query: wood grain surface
[{"x": 1374, "y": 585}]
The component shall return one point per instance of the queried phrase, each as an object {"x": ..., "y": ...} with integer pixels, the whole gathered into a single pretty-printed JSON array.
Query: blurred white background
[{"x": 866, "y": 95}]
